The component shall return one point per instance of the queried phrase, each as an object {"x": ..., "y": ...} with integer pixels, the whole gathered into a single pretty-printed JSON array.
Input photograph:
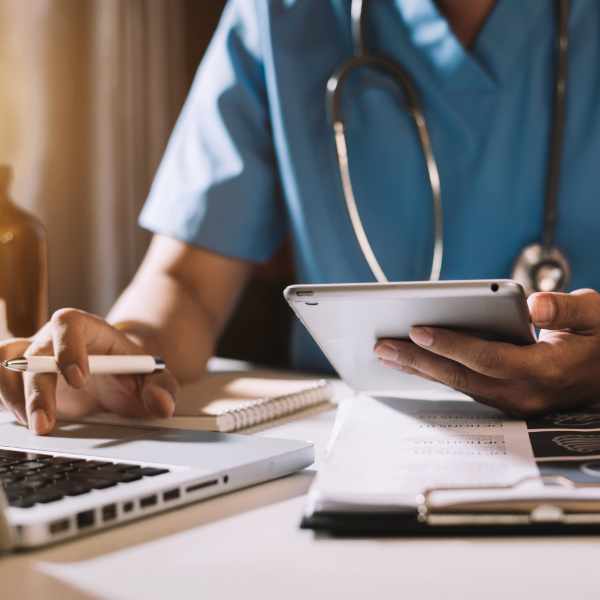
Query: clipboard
[{"x": 560, "y": 507}]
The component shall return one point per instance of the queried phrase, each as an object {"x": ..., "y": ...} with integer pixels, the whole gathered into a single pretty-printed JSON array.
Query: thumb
[
  {"x": 579, "y": 310},
  {"x": 158, "y": 394}
]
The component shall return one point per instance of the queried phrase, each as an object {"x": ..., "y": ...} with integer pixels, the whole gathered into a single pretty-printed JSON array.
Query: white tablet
[{"x": 346, "y": 320}]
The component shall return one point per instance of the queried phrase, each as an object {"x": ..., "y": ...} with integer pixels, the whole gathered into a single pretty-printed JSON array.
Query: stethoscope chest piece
[{"x": 540, "y": 269}]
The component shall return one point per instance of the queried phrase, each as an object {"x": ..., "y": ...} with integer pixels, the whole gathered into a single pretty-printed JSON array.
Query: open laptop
[{"x": 86, "y": 477}]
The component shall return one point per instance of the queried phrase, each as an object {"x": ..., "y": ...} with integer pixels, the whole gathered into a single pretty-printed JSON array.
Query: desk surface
[{"x": 248, "y": 545}]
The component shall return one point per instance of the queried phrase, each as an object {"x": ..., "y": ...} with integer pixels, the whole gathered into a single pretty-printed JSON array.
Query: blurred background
[{"x": 90, "y": 92}]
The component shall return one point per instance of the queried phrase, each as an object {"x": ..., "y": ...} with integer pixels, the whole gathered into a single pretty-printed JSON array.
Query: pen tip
[{"x": 14, "y": 364}]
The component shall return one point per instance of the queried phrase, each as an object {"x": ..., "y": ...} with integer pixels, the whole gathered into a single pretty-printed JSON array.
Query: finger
[
  {"x": 501, "y": 404},
  {"x": 40, "y": 401},
  {"x": 578, "y": 311},
  {"x": 404, "y": 354},
  {"x": 11, "y": 383},
  {"x": 408, "y": 370},
  {"x": 40, "y": 392},
  {"x": 69, "y": 346},
  {"x": 75, "y": 333},
  {"x": 159, "y": 392},
  {"x": 518, "y": 404},
  {"x": 13, "y": 396},
  {"x": 494, "y": 359}
]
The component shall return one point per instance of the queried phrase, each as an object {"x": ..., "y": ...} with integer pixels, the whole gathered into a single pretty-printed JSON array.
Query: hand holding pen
[{"x": 101, "y": 368}]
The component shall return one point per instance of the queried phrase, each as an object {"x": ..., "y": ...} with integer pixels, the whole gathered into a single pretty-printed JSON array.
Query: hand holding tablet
[{"x": 475, "y": 336}]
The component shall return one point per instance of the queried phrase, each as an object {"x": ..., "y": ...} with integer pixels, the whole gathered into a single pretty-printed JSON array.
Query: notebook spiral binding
[{"x": 265, "y": 410}]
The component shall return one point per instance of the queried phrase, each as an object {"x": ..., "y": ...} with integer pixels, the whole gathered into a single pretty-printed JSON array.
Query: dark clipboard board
[{"x": 542, "y": 517}]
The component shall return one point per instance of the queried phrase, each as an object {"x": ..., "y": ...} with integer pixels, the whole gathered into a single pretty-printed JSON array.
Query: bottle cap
[{"x": 6, "y": 177}]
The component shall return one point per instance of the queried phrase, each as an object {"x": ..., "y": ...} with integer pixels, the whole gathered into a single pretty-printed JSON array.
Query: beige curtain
[{"x": 89, "y": 91}]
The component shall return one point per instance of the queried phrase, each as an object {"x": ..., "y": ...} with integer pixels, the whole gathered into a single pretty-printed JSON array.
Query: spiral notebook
[
  {"x": 229, "y": 402},
  {"x": 259, "y": 401}
]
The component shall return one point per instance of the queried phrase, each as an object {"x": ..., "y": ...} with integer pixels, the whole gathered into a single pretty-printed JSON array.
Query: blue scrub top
[{"x": 252, "y": 157}]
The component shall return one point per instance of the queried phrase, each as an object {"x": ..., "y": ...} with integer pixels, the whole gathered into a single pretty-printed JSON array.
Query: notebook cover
[{"x": 202, "y": 405}]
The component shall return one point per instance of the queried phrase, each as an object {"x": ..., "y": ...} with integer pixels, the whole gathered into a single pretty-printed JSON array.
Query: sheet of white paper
[
  {"x": 412, "y": 386},
  {"x": 387, "y": 451}
]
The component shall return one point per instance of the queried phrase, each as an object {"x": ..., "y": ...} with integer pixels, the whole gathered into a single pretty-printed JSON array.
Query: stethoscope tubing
[
  {"x": 558, "y": 129},
  {"x": 535, "y": 257},
  {"x": 335, "y": 87}
]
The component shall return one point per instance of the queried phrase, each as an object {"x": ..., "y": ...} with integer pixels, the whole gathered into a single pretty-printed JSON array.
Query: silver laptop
[{"x": 85, "y": 477}]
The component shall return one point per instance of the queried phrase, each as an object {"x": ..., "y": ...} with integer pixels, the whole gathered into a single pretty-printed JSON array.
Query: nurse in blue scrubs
[{"x": 252, "y": 159}]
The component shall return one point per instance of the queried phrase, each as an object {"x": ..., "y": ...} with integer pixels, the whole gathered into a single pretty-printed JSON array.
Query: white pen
[{"x": 139, "y": 364}]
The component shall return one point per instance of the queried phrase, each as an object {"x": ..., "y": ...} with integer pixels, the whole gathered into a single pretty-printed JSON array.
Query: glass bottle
[{"x": 23, "y": 264}]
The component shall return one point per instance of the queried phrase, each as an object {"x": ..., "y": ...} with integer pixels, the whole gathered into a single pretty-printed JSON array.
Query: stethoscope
[{"x": 540, "y": 266}]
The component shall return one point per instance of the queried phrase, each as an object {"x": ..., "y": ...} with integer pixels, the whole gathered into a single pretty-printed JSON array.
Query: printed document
[{"x": 387, "y": 451}]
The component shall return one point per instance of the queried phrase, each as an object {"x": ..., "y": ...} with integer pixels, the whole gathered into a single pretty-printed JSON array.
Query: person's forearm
[{"x": 161, "y": 314}]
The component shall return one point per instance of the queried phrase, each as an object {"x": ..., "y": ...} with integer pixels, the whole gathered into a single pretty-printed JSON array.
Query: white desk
[{"x": 248, "y": 545}]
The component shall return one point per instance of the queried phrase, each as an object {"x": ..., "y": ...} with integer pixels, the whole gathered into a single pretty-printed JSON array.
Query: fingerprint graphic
[
  {"x": 574, "y": 419},
  {"x": 579, "y": 443}
]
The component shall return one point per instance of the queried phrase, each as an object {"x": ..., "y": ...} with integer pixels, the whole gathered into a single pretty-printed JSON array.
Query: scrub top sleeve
[{"x": 217, "y": 185}]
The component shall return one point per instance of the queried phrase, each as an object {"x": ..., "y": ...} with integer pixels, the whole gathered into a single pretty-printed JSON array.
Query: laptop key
[
  {"x": 10, "y": 462},
  {"x": 35, "y": 482},
  {"x": 94, "y": 464},
  {"x": 66, "y": 460},
  {"x": 13, "y": 455},
  {"x": 16, "y": 494},
  {"x": 42, "y": 457},
  {"x": 116, "y": 477},
  {"x": 30, "y": 465},
  {"x": 21, "y": 502},
  {"x": 14, "y": 458},
  {"x": 16, "y": 490},
  {"x": 100, "y": 483},
  {"x": 72, "y": 488},
  {"x": 128, "y": 477},
  {"x": 58, "y": 472},
  {"x": 83, "y": 470},
  {"x": 93, "y": 481},
  {"x": 153, "y": 471},
  {"x": 4, "y": 481},
  {"x": 125, "y": 467},
  {"x": 45, "y": 496},
  {"x": 112, "y": 472}
]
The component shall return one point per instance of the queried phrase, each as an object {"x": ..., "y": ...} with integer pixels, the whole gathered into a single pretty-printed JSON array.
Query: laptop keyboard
[{"x": 30, "y": 478}]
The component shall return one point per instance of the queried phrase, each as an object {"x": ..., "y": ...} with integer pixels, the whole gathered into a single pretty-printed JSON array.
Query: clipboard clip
[{"x": 524, "y": 502}]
